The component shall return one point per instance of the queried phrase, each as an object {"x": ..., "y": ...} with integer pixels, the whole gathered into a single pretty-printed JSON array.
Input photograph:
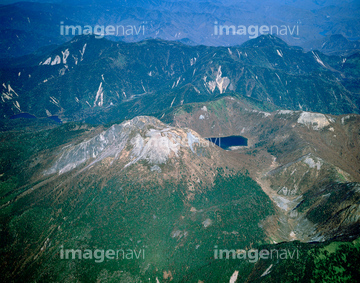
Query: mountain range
[
  {"x": 29, "y": 26},
  {"x": 99, "y": 81},
  {"x": 154, "y": 160},
  {"x": 77, "y": 186}
]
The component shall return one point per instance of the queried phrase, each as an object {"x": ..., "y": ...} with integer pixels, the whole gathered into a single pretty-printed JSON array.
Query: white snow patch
[
  {"x": 54, "y": 100},
  {"x": 234, "y": 277},
  {"x": 178, "y": 81},
  {"x": 172, "y": 102},
  {"x": 220, "y": 82},
  {"x": 82, "y": 52},
  {"x": 17, "y": 105},
  {"x": 9, "y": 93},
  {"x": 56, "y": 61},
  {"x": 47, "y": 61},
  {"x": 317, "y": 58},
  {"x": 267, "y": 271},
  {"x": 211, "y": 85},
  {"x": 75, "y": 59},
  {"x": 278, "y": 77},
  {"x": 63, "y": 70},
  {"x": 65, "y": 54},
  {"x": 99, "y": 94},
  {"x": 192, "y": 61}
]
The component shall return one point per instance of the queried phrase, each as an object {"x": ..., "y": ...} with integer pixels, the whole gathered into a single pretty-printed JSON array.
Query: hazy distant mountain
[
  {"x": 27, "y": 26},
  {"x": 337, "y": 45}
]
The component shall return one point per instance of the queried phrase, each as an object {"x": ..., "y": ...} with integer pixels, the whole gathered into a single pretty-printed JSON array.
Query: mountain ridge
[
  {"x": 124, "y": 79},
  {"x": 164, "y": 188},
  {"x": 40, "y": 22}
]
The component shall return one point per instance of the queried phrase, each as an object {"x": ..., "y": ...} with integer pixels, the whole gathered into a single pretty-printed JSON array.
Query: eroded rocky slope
[{"x": 305, "y": 162}]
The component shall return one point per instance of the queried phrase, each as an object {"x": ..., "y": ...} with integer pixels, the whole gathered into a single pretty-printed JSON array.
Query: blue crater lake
[{"x": 227, "y": 142}]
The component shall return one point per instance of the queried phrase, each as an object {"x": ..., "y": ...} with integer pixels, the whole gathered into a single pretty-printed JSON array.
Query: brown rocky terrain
[{"x": 295, "y": 156}]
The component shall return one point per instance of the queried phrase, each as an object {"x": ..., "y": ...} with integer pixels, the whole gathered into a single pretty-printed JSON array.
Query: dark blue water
[
  {"x": 23, "y": 115},
  {"x": 226, "y": 142},
  {"x": 56, "y": 119}
]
